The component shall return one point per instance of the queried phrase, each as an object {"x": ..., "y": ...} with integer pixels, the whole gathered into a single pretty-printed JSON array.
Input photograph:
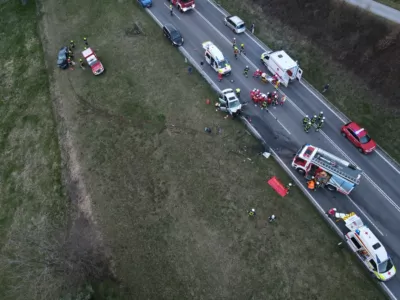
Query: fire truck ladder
[{"x": 333, "y": 169}]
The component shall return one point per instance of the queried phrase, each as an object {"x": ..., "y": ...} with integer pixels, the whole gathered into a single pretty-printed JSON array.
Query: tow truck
[
  {"x": 368, "y": 248},
  {"x": 93, "y": 61},
  {"x": 328, "y": 170},
  {"x": 183, "y": 5}
]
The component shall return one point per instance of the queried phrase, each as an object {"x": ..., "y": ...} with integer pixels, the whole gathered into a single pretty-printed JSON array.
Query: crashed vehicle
[
  {"x": 93, "y": 61},
  {"x": 62, "y": 58},
  {"x": 229, "y": 102}
]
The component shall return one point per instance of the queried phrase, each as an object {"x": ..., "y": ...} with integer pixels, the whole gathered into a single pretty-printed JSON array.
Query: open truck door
[{"x": 299, "y": 74}]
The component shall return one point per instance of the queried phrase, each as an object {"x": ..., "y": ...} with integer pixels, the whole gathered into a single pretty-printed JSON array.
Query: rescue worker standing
[
  {"x": 220, "y": 75},
  {"x": 237, "y": 92},
  {"x": 82, "y": 65},
  {"x": 306, "y": 119},
  {"x": 311, "y": 184},
  {"x": 246, "y": 71},
  {"x": 235, "y": 51},
  {"x": 242, "y": 49},
  {"x": 307, "y": 127},
  {"x": 319, "y": 125},
  {"x": 234, "y": 43},
  {"x": 252, "y": 212},
  {"x": 170, "y": 10},
  {"x": 85, "y": 41},
  {"x": 72, "y": 44},
  {"x": 320, "y": 116},
  {"x": 314, "y": 119}
]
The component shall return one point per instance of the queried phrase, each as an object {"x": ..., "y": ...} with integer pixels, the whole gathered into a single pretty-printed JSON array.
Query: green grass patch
[{"x": 392, "y": 3}]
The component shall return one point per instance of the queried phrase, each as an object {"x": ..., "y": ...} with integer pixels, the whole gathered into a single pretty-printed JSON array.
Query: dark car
[
  {"x": 62, "y": 58},
  {"x": 171, "y": 33}
]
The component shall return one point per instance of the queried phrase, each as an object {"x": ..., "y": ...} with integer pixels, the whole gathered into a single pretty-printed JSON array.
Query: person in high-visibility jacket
[
  {"x": 237, "y": 92},
  {"x": 220, "y": 75},
  {"x": 306, "y": 119},
  {"x": 319, "y": 125},
  {"x": 307, "y": 127},
  {"x": 314, "y": 119},
  {"x": 283, "y": 100},
  {"x": 311, "y": 184}
]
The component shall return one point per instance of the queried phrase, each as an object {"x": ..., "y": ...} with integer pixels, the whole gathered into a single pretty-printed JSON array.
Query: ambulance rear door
[{"x": 299, "y": 74}]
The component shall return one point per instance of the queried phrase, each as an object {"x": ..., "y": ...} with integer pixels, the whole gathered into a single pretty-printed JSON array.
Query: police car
[
  {"x": 229, "y": 102},
  {"x": 359, "y": 137},
  {"x": 214, "y": 57}
]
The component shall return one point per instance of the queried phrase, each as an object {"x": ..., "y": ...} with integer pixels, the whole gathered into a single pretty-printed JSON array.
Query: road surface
[
  {"x": 376, "y": 200},
  {"x": 377, "y": 8}
]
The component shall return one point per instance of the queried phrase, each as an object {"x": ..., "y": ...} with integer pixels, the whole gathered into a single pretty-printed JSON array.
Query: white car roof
[{"x": 236, "y": 20}]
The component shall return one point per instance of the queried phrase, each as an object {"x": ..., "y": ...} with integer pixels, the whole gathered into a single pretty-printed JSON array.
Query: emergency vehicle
[
  {"x": 216, "y": 59},
  {"x": 328, "y": 170},
  {"x": 282, "y": 65},
  {"x": 368, "y": 248},
  {"x": 93, "y": 61},
  {"x": 183, "y": 5}
]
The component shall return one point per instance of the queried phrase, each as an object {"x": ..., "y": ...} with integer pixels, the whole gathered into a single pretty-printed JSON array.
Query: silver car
[{"x": 235, "y": 23}]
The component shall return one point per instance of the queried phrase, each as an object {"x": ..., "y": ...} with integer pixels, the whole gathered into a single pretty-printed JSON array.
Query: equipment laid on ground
[
  {"x": 280, "y": 64},
  {"x": 367, "y": 247},
  {"x": 326, "y": 169},
  {"x": 183, "y": 5},
  {"x": 216, "y": 59},
  {"x": 93, "y": 61},
  {"x": 229, "y": 102}
]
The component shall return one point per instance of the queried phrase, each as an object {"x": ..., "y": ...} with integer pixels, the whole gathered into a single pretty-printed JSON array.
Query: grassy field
[
  {"x": 33, "y": 206},
  {"x": 392, "y": 3},
  {"x": 333, "y": 55},
  {"x": 164, "y": 201}
]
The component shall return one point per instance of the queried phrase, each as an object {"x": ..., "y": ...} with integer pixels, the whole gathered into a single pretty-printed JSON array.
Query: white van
[
  {"x": 216, "y": 59},
  {"x": 235, "y": 23}
]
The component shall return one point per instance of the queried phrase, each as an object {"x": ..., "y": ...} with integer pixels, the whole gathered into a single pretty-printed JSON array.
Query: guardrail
[{"x": 258, "y": 136}]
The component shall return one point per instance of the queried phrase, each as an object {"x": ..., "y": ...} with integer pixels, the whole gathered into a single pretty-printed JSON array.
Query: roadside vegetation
[
  {"x": 148, "y": 206},
  {"x": 355, "y": 52},
  {"x": 392, "y": 3}
]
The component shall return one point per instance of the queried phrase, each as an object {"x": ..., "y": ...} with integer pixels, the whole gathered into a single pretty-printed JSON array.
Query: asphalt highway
[{"x": 376, "y": 200}]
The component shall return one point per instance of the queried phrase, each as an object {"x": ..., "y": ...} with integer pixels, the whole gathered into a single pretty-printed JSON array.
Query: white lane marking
[
  {"x": 263, "y": 46},
  {"x": 365, "y": 215},
  {"x": 365, "y": 174},
  {"x": 172, "y": 11},
  {"x": 303, "y": 114},
  {"x": 287, "y": 130},
  {"x": 289, "y": 171}
]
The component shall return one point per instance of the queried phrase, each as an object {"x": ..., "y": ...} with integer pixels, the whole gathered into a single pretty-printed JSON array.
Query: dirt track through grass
[{"x": 171, "y": 200}]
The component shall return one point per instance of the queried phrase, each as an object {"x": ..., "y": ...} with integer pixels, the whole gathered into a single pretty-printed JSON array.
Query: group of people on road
[
  {"x": 236, "y": 50},
  {"x": 265, "y": 100},
  {"x": 316, "y": 120}
]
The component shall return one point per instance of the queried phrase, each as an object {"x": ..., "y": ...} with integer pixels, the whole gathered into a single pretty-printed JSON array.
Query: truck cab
[
  {"x": 183, "y": 5},
  {"x": 214, "y": 57}
]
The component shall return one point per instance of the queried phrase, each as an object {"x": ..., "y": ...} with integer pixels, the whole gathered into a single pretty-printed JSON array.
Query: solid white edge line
[
  {"x": 303, "y": 114},
  {"x": 305, "y": 191},
  {"x": 328, "y": 105}
]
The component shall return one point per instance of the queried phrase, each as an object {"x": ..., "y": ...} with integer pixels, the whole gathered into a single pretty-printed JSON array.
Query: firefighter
[
  {"x": 306, "y": 119},
  {"x": 288, "y": 187},
  {"x": 320, "y": 116},
  {"x": 264, "y": 78},
  {"x": 257, "y": 74},
  {"x": 81, "y": 63},
  {"x": 242, "y": 49},
  {"x": 246, "y": 71},
  {"x": 283, "y": 100},
  {"x": 85, "y": 41},
  {"x": 311, "y": 184},
  {"x": 237, "y": 92},
  {"x": 319, "y": 125},
  {"x": 252, "y": 212},
  {"x": 70, "y": 53},
  {"x": 307, "y": 127},
  {"x": 234, "y": 43},
  {"x": 170, "y": 10},
  {"x": 220, "y": 75},
  {"x": 271, "y": 218},
  {"x": 277, "y": 83},
  {"x": 264, "y": 104},
  {"x": 72, "y": 44},
  {"x": 235, "y": 51},
  {"x": 314, "y": 119}
]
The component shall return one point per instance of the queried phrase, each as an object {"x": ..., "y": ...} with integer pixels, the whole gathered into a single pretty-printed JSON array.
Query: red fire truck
[
  {"x": 328, "y": 170},
  {"x": 183, "y": 5}
]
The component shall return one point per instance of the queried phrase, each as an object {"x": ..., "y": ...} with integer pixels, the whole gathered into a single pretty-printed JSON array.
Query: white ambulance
[
  {"x": 367, "y": 247},
  {"x": 282, "y": 65},
  {"x": 216, "y": 59}
]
